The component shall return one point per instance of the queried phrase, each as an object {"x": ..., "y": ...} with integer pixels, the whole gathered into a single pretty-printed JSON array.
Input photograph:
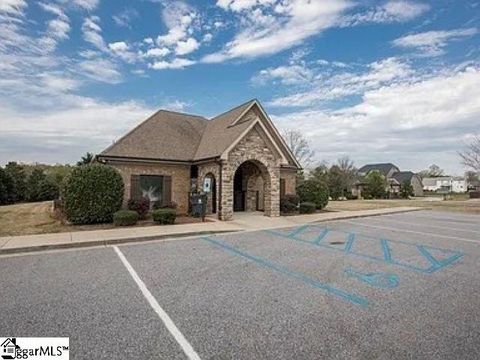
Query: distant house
[
  {"x": 407, "y": 176},
  {"x": 445, "y": 184},
  {"x": 386, "y": 169},
  {"x": 395, "y": 178}
]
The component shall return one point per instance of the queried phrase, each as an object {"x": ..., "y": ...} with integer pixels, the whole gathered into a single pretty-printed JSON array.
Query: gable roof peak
[{"x": 242, "y": 106}]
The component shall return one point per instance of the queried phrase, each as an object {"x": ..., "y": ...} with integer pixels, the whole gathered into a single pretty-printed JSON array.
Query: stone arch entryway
[{"x": 249, "y": 185}]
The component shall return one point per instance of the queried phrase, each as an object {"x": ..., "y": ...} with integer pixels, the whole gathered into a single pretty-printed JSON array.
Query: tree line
[{"x": 33, "y": 182}]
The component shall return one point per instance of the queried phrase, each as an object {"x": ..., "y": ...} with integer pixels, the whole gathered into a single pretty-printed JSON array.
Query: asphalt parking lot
[{"x": 403, "y": 286}]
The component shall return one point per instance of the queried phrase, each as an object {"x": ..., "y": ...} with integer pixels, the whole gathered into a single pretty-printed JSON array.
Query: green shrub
[
  {"x": 125, "y": 218},
  {"x": 141, "y": 206},
  {"x": 7, "y": 188},
  {"x": 39, "y": 187},
  {"x": 406, "y": 190},
  {"x": 375, "y": 185},
  {"x": 313, "y": 191},
  {"x": 289, "y": 203},
  {"x": 92, "y": 194},
  {"x": 170, "y": 205},
  {"x": 307, "y": 207},
  {"x": 164, "y": 216}
]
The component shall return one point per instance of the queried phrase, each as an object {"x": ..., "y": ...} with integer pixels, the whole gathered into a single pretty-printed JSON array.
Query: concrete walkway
[{"x": 242, "y": 222}]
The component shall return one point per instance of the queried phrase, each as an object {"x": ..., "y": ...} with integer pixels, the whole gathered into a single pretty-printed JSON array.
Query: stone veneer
[
  {"x": 180, "y": 179},
  {"x": 210, "y": 168},
  {"x": 256, "y": 148},
  {"x": 290, "y": 176}
]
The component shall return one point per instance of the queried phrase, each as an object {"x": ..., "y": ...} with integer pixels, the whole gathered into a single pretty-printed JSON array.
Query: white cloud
[
  {"x": 178, "y": 17},
  {"x": 322, "y": 86},
  {"x": 410, "y": 123},
  {"x": 287, "y": 75},
  {"x": 157, "y": 52},
  {"x": 92, "y": 33},
  {"x": 102, "y": 70},
  {"x": 390, "y": 11},
  {"x": 177, "y": 63},
  {"x": 125, "y": 17},
  {"x": 187, "y": 46},
  {"x": 123, "y": 51},
  {"x": 431, "y": 43},
  {"x": 270, "y": 28},
  {"x": 404, "y": 10},
  {"x": 87, "y": 4},
  {"x": 12, "y": 7},
  {"x": 207, "y": 37}
]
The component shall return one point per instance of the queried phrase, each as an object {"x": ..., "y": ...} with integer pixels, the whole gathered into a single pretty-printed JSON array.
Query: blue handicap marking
[
  {"x": 321, "y": 236},
  {"x": 261, "y": 261},
  {"x": 411, "y": 256},
  {"x": 377, "y": 279}
]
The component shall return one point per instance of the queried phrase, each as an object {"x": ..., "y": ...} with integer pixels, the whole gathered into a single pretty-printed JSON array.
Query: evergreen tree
[
  {"x": 17, "y": 173},
  {"x": 406, "y": 190},
  {"x": 7, "y": 194}
]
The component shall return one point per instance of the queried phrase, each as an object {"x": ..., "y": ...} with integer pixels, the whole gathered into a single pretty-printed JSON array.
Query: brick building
[{"x": 237, "y": 157}]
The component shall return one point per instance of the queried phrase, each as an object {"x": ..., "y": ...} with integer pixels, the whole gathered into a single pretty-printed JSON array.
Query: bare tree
[
  {"x": 299, "y": 146},
  {"x": 432, "y": 171},
  {"x": 472, "y": 176},
  {"x": 471, "y": 156},
  {"x": 348, "y": 172}
]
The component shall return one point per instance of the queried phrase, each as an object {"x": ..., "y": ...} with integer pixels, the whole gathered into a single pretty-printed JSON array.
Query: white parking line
[
  {"x": 452, "y": 218},
  {"x": 383, "y": 218},
  {"x": 413, "y": 232},
  {"x": 186, "y": 347}
]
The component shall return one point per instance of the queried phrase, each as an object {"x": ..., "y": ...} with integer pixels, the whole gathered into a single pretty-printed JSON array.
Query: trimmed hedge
[
  {"x": 160, "y": 205},
  {"x": 164, "y": 216},
  {"x": 307, "y": 207},
  {"x": 289, "y": 203},
  {"x": 125, "y": 218},
  {"x": 141, "y": 206},
  {"x": 92, "y": 194},
  {"x": 313, "y": 191}
]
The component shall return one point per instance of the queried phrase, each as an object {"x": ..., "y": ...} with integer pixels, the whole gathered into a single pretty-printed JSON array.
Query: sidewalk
[{"x": 242, "y": 222}]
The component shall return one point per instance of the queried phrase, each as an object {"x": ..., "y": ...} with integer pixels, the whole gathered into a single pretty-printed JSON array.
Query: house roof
[
  {"x": 402, "y": 176},
  {"x": 165, "y": 135},
  {"x": 383, "y": 168},
  {"x": 173, "y": 136},
  {"x": 220, "y": 132}
]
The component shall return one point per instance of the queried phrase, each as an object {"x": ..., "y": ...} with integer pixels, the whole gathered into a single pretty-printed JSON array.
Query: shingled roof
[
  {"x": 383, "y": 168},
  {"x": 402, "y": 176},
  {"x": 174, "y": 136}
]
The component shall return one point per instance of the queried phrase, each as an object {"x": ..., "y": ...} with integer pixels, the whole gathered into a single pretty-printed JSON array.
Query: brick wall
[{"x": 180, "y": 179}]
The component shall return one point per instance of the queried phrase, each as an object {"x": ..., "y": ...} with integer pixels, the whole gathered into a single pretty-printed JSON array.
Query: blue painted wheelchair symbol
[{"x": 381, "y": 280}]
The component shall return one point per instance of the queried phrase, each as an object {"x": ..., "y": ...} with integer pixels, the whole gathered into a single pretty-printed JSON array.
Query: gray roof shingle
[
  {"x": 383, "y": 168},
  {"x": 402, "y": 176},
  {"x": 174, "y": 136}
]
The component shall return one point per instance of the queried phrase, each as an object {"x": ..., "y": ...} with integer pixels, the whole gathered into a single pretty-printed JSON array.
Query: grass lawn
[
  {"x": 458, "y": 204},
  {"x": 36, "y": 218}
]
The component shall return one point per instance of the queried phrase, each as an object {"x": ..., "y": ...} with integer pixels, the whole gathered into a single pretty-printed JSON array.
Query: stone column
[
  {"x": 226, "y": 212},
  {"x": 272, "y": 193}
]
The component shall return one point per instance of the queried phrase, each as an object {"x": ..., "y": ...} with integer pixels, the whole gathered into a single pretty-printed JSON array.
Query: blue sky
[{"x": 379, "y": 81}]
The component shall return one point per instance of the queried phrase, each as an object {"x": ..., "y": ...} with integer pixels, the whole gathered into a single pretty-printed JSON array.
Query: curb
[
  {"x": 370, "y": 215},
  {"x": 85, "y": 244},
  {"x": 93, "y": 243}
]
